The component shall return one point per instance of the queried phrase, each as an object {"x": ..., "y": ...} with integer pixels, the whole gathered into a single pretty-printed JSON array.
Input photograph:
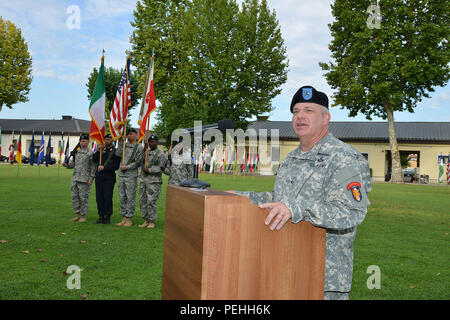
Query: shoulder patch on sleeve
[{"x": 355, "y": 189}]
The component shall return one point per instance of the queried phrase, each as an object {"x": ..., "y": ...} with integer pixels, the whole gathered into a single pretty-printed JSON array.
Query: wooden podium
[{"x": 216, "y": 246}]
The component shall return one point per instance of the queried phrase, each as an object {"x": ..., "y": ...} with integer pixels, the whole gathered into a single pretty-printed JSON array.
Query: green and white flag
[
  {"x": 97, "y": 107},
  {"x": 441, "y": 169}
]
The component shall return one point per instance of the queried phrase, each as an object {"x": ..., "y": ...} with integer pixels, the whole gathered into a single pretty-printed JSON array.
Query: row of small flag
[
  {"x": 43, "y": 154},
  {"x": 226, "y": 160},
  {"x": 441, "y": 169}
]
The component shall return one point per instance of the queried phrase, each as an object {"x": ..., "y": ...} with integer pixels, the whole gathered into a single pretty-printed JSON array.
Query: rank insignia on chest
[{"x": 355, "y": 188}]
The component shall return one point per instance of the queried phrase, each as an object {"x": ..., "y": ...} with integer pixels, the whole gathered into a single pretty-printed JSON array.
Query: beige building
[
  {"x": 422, "y": 141},
  {"x": 60, "y": 130}
]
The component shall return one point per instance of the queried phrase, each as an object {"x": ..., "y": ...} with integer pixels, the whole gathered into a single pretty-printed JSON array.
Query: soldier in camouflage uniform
[
  {"x": 178, "y": 167},
  {"x": 150, "y": 181},
  {"x": 323, "y": 181},
  {"x": 82, "y": 178},
  {"x": 128, "y": 173}
]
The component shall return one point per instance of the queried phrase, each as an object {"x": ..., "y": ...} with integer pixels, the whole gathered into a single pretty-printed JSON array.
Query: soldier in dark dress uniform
[{"x": 105, "y": 178}]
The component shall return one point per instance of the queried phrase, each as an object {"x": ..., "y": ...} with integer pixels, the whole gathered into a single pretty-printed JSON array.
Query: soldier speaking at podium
[
  {"x": 105, "y": 179},
  {"x": 323, "y": 181}
]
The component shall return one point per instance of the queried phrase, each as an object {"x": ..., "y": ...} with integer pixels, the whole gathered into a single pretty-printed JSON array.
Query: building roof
[
  {"x": 374, "y": 131},
  {"x": 67, "y": 124}
]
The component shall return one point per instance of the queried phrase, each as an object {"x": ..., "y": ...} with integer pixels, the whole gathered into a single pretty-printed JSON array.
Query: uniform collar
[{"x": 318, "y": 149}]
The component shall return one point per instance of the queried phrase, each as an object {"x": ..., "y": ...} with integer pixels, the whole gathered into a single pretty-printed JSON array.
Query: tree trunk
[{"x": 397, "y": 173}]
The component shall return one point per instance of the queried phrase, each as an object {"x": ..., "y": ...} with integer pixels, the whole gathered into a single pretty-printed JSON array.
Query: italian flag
[{"x": 97, "y": 107}]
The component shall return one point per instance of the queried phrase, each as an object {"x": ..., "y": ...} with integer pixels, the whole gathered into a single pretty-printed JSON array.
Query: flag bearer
[
  {"x": 82, "y": 178},
  {"x": 105, "y": 179},
  {"x": 150, "y": 181},
  {"x": 128, "y": 174}
]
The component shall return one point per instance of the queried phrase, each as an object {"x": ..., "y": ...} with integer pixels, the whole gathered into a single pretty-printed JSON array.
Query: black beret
[
  {"x": 309, "y": 94},
  {"x": 153, "y": 137},
  {"x": 108, "y": 136},
  {"x": 132, "y": 130},
  {"x": 84, "y": 137}
]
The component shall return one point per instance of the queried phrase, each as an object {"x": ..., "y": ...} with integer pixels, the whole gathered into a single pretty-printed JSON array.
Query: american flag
[{"x": 119, "y": 110}]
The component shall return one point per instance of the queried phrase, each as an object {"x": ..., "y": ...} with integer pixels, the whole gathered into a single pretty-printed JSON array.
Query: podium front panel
[{"x": 216, "y": 246}]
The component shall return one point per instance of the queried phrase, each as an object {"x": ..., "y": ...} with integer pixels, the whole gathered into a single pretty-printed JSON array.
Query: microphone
[{"x": 222, "y": 126}]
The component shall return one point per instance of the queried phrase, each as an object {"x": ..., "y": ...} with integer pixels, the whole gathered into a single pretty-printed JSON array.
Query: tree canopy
[
  {"x": 15, "y": 65},
  {"x": 213, "y": 59},
  {"x": 377, "y": 71}
]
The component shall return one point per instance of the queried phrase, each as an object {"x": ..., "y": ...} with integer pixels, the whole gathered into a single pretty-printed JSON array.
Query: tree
[
  {"x": 379, "y": 71},
  {"x": 15, "y": 65},
  {"x": 213, "y": 60},
  {"x": 112, "y": 80}
]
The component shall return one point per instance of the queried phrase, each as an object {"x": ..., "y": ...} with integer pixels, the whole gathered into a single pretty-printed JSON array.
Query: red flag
[
  {"x": 11, "y": 149},
  {"x": 148, "y": 102}
]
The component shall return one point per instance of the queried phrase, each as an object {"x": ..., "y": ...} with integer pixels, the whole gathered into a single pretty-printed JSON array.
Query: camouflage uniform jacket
[
  {"x": 132, "y": 164},
  {"x": 82, "y": 165},
  {"x": 155, "y": 160},
  {"x": 180, "y": 172},
  {"x": 327, "y": 186},
  {"x": 180, "y": 167}
]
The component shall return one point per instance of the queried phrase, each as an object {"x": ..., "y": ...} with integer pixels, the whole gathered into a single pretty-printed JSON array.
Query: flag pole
[
  {"x": 124, "y": 141},
  {"x": 148, "y": 120},
  {"x": 146, "y": 140},
  {"x": 101, "y": 151},
  {"x": 124, "y": 134}
]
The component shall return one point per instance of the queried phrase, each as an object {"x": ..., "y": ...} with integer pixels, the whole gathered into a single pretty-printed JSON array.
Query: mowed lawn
[{"x": 405, "y": 234}]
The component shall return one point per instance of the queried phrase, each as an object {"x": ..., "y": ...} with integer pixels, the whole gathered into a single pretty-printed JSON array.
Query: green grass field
[{"x": 405, "y": 234}]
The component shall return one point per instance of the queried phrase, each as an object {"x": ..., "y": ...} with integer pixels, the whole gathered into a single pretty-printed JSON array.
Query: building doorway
[{"x": 410, "y": 160}]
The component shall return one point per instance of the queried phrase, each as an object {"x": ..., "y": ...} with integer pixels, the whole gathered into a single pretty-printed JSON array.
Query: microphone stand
[{"x": 195, "y": 183}]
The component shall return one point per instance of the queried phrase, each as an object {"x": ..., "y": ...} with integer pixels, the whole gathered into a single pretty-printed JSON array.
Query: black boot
[
  {"x": 100, "y": 220},
  {"x": 106, "y": 220}
]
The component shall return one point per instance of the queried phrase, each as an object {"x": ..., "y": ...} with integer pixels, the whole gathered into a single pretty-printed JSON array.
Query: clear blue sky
[{"x": 64, "y": 55}]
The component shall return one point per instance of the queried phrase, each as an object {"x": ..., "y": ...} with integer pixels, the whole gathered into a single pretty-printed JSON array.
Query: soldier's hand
[
  {"x": 64, "y": 164},
  {"x": 89, "y": 182},
  {"x": 279, "y": 211},
  {"x": 145, "y": 146},
  {"x": 146, "y": 170},
  {"x": 123, "y": 168},
  {"x": 123, "y": 138},
  {"x": 101, "y": 168},
  {"x": 100, "y": 146},
  {"x": 162, "y": 168}
]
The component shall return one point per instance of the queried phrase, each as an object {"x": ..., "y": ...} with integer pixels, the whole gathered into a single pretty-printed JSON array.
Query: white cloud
[{"x": 106, "y": 9}]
